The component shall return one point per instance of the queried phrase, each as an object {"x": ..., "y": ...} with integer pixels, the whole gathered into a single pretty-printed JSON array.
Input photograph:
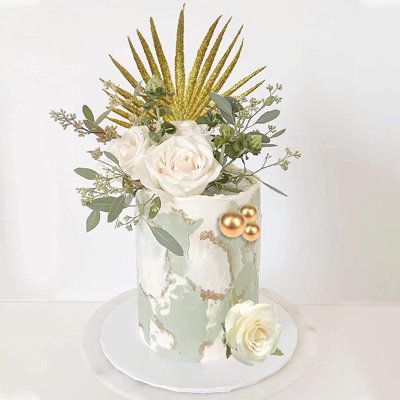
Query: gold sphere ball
[
  {"x": 249, "y": 212},
  {"x": 232, "y": 224},
  {"x": 252, "y": 232}
]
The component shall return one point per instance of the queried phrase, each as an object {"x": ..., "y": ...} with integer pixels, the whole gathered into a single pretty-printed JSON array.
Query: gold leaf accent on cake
[
  {"x": 162, "y": 328},
  {"x": 203, "y": 345},
  {"x": 206, "y": 294}
]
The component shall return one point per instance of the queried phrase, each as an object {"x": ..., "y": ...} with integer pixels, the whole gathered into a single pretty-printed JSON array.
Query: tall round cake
[{"x": 183, "y": 300}]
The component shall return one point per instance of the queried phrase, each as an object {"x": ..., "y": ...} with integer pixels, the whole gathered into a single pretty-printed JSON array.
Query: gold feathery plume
[
  {"x": 225, "y": 75},
  {"x": 161, "y": 58},
  {"x": 201, "y": 52},
  {"x": 120, "y": 122},
  {"x": 239, "y": 84},
  {"x": 180, "y": 79},
  {"x": 140, "y": 66},
  {"x": 203, "y": 95},
  {"x": 189, "y": 99},
  {"x": 125, "y": 73},
  {"x": 252, "y": 89},
  {"x": 149, "y": 55},
  {"x": 207, "y": 65}
]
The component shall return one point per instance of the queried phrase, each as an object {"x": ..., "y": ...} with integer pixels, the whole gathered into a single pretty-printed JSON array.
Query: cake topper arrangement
[{"x": 176, "y": 135}]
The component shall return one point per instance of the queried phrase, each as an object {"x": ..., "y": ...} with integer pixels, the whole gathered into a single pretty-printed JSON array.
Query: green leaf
[
  {"x": 224, "y": 107},
  {"x": 102, "y": 203},
  {"x": 86, "y": 173},
  {"x": 268, "y": 145},
  {"x": 111, "y": 157},
  {"x": 279, "y": 133},
  {"x": 92, "y": 220},
  {"x": 92, "y": 126},
  {"x": 268, "y": 116},
  {"x": 168, "y": 128},
  {"x": 137, "y": 89},
  {"x": 228, "y": 351},
  {"x": 87, "y": 112},
  {"x": 116, "y": 207},
  {"x": 274, "y": 189},
  {"x": 155, "y": 206},
  {"x": 102, "y": 117},
  {"x": 167, "y": 240},
  {"x": 277, "y": 352},
  {"x": 235, "y": 298}
]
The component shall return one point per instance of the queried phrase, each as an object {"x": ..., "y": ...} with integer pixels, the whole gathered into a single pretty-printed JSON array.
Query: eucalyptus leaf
[
  {"x": 224, "y": 107},
  {"x": 102, "y": 117},
  {"x": 274, "y": 189},
  {"x": 268, "y": 116},
  {"x": 268, "y": 145},
  {"x": 111, "y": 157},
  {"x": 279, "y": 133},
  {"x": 102, "y": 203},
  {"x": 137, "y": 89},
  {"x": 92, "y": 126},
  {"x": 155, "y": 206},
  {"x": 277, "y": 352},
  {"x": 87, "y": 112},
  {"x": 92, "y": 220},
  {"x": 128, "y": 199},
  {"x": 86, "y": 173},
  {"x": 115, "y": 209},
  {"x": 167, "y": 240}
]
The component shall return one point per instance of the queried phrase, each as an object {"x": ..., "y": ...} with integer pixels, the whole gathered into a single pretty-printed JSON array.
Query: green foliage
[
  {"x": 92, "y": 220},
  {"x": 116, "y": 208},
  {"x": 87, "y": 112},
  {"x": 154, "y": 208},
  {"x": 101, "y": 203},
  {"x": 277, "y": 352},
  {"x": 167, "y": 240},
  {"x": 86, "y": 173}
]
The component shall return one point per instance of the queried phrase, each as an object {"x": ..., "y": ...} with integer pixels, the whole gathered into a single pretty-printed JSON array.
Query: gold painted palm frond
[{"x": 190, "y": 96}]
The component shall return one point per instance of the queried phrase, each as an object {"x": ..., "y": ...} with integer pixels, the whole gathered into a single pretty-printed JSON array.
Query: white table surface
[{"x": 40, "y": 354}]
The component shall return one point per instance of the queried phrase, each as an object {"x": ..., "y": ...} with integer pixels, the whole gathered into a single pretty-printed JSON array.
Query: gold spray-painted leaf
[
  {"x": 126, "y": 74},
  {"x": 201, "y": 52},
  {"x": 180, "y": 67},
  {"x": 203, "y": 95},
  {"x": 208, "y": 63},
  {"x": 140, "y": 66},
  {"x": 242, "y": 82},
  {"x": 161, "y": 57},
  {"x": 121, "y": 113},
  {"x": 225, "y": 75},
  {"x": 252, "y": 89},
  {"x": 120, "y": 122},
  {"x": 149, "y": 55}
]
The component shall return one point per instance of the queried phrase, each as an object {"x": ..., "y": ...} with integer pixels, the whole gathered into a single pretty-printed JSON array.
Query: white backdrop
[{"x": 335, "y": 239}]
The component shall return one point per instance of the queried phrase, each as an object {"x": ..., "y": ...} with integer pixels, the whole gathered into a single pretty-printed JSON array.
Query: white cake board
[{"x": 122, "y": 360}]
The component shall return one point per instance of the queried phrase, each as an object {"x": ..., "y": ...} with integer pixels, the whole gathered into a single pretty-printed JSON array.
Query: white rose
[
  {"x": 130, "y": 148},
  {"x": 181, "y": 166},
  {"x": 252, "y": 331},
  {"x": 188, "y": 128}
]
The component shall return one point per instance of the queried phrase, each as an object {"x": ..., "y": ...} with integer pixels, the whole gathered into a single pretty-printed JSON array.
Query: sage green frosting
[{"x": 183, "y": 300}]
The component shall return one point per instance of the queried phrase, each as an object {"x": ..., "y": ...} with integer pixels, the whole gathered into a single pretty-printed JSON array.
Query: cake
[
  {"x": 183, "y": 300},
  {"x": 172, "y": 163}
]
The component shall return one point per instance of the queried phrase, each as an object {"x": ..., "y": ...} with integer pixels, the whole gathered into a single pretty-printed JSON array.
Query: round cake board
[{"x": 117, "y": 355}]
